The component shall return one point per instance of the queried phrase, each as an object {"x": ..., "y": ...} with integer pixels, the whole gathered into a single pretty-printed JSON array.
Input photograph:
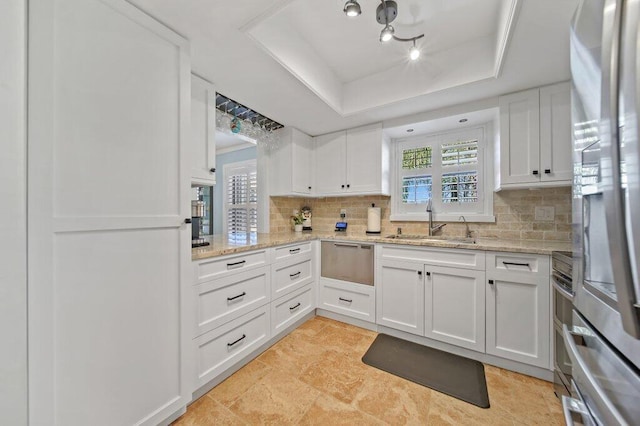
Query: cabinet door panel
[
  {"x": 364, "y": 155},
  {"x": 555, "y": 133},
  {"x": 203, "y": 129},
  {"x": 301, "y": 162},
  {"x": 400, "y": 296},
  {"x": 518, "y": 321},
  {"x": 331, "y": 152},
  {"x": 520, "y": 137},
  {"x": 454, "y": 306}
]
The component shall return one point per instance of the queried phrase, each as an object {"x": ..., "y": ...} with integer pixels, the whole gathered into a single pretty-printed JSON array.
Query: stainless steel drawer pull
[
  {"x": 345, "y": 300},
  {"x": 516, "y": 264},
  {"x": 294, "y": 275},
  {"x": 237, "y": 341},
  {"x": 346, "y": 245},
  {"x": 241, "y": 263},
  {"x": 236, "y": 297},
  {"x": 295, "y": 250},
  {"x": 294, "y": 307}
]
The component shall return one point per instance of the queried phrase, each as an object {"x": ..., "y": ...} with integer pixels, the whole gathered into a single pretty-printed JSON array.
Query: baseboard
[{"x": 347, "y": 319}]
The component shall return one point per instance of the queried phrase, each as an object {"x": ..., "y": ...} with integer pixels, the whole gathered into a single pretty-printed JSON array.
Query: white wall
[{"x": 13, "y": 276}]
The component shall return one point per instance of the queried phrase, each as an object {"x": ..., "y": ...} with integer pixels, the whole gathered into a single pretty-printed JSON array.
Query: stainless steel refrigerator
[{"x": 604, "y": 341}]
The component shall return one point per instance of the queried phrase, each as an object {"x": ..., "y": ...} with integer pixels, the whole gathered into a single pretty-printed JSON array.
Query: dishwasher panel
[{"x": 347, "y": 261}]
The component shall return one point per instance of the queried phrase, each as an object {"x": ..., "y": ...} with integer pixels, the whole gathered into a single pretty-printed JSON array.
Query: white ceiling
[{"x": 227, "y": 50}]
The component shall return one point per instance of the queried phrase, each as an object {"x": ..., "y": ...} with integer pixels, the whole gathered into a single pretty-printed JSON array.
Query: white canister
[{"x": 374, "y": 215}]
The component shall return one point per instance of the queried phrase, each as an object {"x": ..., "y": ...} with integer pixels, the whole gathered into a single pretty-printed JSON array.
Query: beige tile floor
[{"x": 315, "y": 376}]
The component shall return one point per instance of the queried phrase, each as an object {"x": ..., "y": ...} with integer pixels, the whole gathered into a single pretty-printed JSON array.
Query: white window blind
[
  {"x": 241, "y": 198},
  {"x": 448, "y": 168}
]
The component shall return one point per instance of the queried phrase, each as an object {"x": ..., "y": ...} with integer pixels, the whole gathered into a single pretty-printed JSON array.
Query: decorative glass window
[
  {"x": 449, "y": 169},
  {"x": 241, "y": 198}
]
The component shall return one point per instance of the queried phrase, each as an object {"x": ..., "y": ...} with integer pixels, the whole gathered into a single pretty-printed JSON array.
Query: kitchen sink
[{"x": 461, "y": 240}]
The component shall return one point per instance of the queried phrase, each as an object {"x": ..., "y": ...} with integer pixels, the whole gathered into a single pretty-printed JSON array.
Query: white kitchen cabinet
[
  {"x": 346, "y": 298},
  {"x": 203, "y": 129},
  {"x": 354, "y": 162},
  {"x": 518, "y": 317},
  {"x": 535, "y": 138},
  {"x": 108, "y": 193},
  {"x": 454, "y": 301},
  {"x": 400, "y": 296},
  {"x": 291, "y": 165}
]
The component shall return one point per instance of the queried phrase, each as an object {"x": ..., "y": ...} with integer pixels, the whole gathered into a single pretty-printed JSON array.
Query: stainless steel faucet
[
  {"x": 468, "y": 231},
  {"x": 433, "y": 229}
]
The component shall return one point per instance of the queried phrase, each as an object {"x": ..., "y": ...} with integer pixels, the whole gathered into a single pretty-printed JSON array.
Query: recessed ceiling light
[
  {"x": 462, "y": 120},
  {"x": 409, "y": 130},
  {"x": 352, "y": 8}
]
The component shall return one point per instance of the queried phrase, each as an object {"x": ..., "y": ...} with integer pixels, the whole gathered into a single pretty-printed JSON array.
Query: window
[
  {"x": 241, "y": 199},
  {"x": 451, "y": 169}
]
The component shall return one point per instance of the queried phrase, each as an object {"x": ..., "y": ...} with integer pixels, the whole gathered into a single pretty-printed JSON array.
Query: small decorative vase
[{"x": 297, "y": 228}]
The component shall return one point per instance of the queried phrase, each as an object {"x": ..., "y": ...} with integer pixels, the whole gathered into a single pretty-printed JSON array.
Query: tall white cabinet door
[
  {"x": 108, "y": 192},
  {"x": 364, "y": 159},
  {"x": 520, "y": 137},
  {"x": 454, "y": 306},
  {"x": 555, "y": 133},
  {"x": 331, "y": 152},
  {"x": 301, "y": 162},
  {"x": 400, "y": 296},
  {"x": 518, "y": 318},
  {"x": 203, "y": 130}
]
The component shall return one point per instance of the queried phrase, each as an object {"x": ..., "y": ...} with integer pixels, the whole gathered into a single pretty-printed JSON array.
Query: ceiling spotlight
[
  {"x": 387, "y": 33},
  {"x": 414, "y": 52},
  {"x": 352, "y": 8}
]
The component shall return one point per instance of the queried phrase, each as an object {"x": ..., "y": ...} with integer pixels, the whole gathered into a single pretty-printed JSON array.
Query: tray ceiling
[{"x": 342, "y": 61}]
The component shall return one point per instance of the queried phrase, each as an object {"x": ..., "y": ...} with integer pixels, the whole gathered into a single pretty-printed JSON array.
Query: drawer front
[
  {"x": 227, "y": 298},
  {"x": 219, "y": 267},
  {"x": 517, "y": 265},
  {"x": 290, "y": 251},
  {"x": 354, "y": 300},
  {"x": 288, "y": 277},
  {"x": 221, "y": 348},
  {"x": 289, "y": 308},
  {"x": 459, "y": 258}
]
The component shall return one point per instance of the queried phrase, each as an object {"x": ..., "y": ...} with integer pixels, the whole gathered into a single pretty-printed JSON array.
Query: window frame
[
  {"x": 417, "y": 212},
  {"x": 251, "y": 166}
]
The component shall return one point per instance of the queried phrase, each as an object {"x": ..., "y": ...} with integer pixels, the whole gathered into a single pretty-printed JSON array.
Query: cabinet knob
[
  {"x": 212, "y": 170},
  {"x": 547, "y": 171},
  {"x": 491, "y": 282},
  {"x": 187, "y": 220},
  {"x": 342, "y": 186},
  {"x": 420, "y": 273},
  {"x": 348, "y": 186},
  {"x": 309, "y": 188},
  {"x": 535, "y": 172},
  {"x": 428, "y": 274}
]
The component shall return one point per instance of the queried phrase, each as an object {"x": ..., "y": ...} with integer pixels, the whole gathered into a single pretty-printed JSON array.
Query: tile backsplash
[{"x": 513, "y": 209}]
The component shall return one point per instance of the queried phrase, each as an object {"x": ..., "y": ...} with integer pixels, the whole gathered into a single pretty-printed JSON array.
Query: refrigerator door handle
[
  {"x": 612, "y": 415},
  {"x": 611, "y": 177}
]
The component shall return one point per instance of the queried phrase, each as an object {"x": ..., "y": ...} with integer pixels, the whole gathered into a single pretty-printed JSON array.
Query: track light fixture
[
  {"x": 352, "y": 8},
  {"x": 387, "y": 33},
  {"x": 386, "y": 13}
]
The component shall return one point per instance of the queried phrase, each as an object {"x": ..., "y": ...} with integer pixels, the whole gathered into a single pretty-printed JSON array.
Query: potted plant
[{"x": 298, "y": 220}]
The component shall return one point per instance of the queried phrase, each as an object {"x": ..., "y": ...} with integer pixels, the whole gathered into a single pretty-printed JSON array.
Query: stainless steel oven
[{"x": 562, "y": 281}]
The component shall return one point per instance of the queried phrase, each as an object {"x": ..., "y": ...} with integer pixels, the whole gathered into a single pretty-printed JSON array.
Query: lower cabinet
[
  {"x": 354, "y": 300},
  {"x": 454, "y": 306},
  {"x": 499, "y": 306},
  {"x": 288, "y": 309},
  {"x": 219, "y": 349},
  {"x": 400, "y": 297},
  {"x": 518, "y": 308}
]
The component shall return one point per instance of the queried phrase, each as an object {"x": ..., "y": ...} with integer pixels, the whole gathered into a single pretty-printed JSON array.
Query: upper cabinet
[
  {"x": 535, "y": 138},
  {"x": 291, "y": 164},
  {"x": 352, "y": 162},
  {"x": 203, "y": 128}
]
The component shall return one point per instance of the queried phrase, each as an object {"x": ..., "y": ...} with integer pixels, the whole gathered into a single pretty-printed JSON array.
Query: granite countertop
[{"x": 225, "y": 244}]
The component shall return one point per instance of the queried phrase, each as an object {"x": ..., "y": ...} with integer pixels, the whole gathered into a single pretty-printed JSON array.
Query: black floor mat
[{"x": 454, "y": 375}]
